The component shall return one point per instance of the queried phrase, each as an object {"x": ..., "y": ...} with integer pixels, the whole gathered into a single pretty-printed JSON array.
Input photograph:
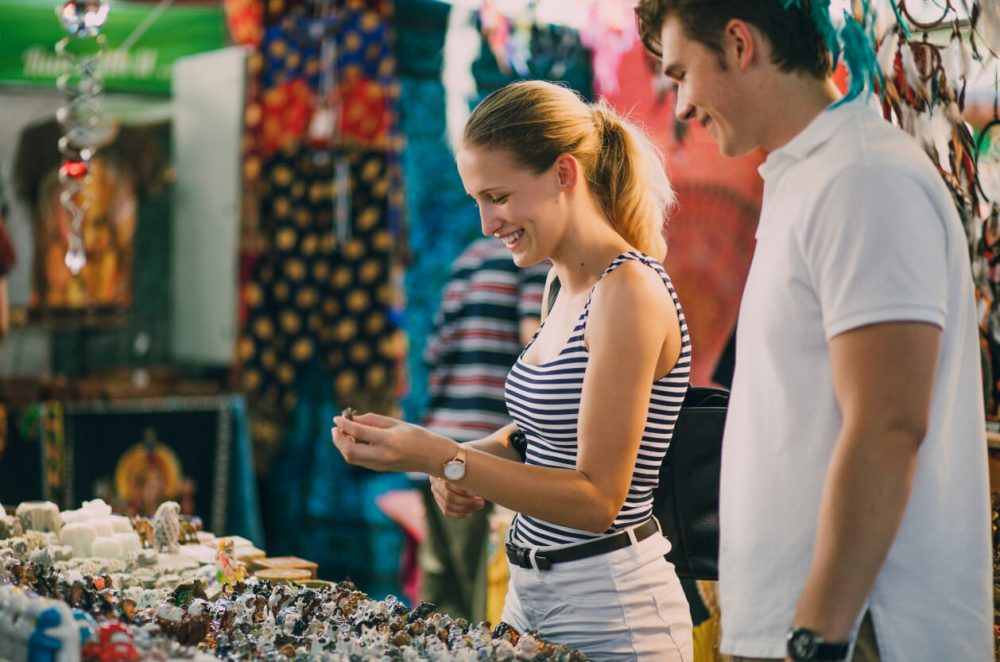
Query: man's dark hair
[{"x": 796, "y": 43}]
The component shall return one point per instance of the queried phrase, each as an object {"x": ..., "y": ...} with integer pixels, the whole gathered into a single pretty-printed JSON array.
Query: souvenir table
[{"x": 88, "y": 584}]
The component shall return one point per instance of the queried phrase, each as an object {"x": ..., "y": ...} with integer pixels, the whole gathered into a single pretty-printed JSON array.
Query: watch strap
[{"x": 832, "y": 650}]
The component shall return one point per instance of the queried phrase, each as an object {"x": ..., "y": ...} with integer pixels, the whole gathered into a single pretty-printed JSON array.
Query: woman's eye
[{"x": 499, "y": 200}]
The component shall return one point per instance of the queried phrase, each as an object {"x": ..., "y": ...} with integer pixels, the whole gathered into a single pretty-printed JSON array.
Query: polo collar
[{"x": 817, "y": 133}]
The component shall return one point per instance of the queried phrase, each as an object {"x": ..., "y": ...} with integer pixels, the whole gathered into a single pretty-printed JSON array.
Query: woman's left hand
[{"x": 383, "y": 443}]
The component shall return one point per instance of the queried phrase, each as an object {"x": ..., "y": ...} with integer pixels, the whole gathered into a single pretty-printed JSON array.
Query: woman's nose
[{"x": 489, "y": 221}]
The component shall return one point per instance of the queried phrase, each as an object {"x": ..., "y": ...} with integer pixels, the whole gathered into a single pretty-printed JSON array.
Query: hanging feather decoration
[
  {"x": 887, "y": 54},
  {"x": 859, "y": 56},
  {"x": 899, "y": 19}
]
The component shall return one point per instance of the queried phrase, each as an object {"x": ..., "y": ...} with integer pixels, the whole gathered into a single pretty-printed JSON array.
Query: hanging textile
[
  {"x": 325, "y": 168},
  {"x": 321, "y": 289}
]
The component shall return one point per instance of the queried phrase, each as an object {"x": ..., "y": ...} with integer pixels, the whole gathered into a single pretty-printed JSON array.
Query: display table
[{"x": 89, "y": 583}]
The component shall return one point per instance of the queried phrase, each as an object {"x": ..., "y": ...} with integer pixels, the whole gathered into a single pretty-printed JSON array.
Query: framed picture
[{"x": 135, "y": 454}]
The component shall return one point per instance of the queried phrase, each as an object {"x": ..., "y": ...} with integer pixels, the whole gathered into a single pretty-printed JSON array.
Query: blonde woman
[{"x": 596, "y": 392}]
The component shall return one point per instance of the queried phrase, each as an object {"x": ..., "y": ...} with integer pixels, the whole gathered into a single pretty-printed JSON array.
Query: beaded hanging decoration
[{"x": 82, "y": 49}]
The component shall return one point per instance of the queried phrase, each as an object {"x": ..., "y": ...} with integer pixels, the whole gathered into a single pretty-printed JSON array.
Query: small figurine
[
  {"x": 7, "y": 526},
  {"x": 228, "y": 571},
  {"x": 39, "y": 516},
  {"x": 114, "y": 644},
  {"x": 166, "y": 527},
  {"x": 145, "y": 530},
  {"x": 189, "y": 532}
]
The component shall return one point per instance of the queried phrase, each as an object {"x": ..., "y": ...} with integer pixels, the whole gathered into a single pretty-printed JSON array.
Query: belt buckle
[
  {"x": 518, "y": 555},
  {"x": 522, "y": 558}
]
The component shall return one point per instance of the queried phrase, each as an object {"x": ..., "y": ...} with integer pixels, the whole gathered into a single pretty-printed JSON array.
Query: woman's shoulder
[{"x": 635, "y": 286}]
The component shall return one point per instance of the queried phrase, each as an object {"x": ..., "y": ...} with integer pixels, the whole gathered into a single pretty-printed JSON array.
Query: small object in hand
[{"x": 349, "y": 415}]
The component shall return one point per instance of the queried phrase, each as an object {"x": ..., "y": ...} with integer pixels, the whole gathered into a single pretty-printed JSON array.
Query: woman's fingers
[
  {"x": 361, "y": 432},
  {"x": 455, "y": 502},
  {"x": 354, "y": 451},
  {"x": 377, "y": 420}
]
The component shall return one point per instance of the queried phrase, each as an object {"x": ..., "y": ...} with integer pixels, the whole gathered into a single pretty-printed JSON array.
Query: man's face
[{"x": 707, "y": 88}]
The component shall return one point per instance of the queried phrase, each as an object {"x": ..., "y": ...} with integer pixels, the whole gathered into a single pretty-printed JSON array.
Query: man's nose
[{"x": 683, "y": 109}]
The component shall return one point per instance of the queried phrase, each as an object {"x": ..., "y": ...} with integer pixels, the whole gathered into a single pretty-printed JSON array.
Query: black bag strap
[{"x": 554, "y": 287}]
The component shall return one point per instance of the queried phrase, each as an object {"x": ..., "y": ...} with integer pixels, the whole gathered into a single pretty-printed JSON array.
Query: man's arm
[{"x": 883, "y": 376}]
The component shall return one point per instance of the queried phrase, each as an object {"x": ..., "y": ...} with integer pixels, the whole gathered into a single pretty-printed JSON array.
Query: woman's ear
[{"x": 567, "y": 171}]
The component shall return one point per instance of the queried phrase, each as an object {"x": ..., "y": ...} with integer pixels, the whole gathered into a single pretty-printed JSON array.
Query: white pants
[{"x": 624, "y": 605}]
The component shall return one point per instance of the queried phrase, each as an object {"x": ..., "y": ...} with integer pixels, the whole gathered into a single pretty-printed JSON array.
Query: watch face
[
  {"x": 802, "y": 645},
  {"x": 454, "y": 470}
]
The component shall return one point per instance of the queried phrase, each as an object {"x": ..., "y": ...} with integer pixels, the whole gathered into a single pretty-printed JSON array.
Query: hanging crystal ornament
[{"x": 82, "y": 49}]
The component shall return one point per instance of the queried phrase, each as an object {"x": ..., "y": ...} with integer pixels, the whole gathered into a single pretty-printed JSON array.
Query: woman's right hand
[{"x": 454, "y": 501}]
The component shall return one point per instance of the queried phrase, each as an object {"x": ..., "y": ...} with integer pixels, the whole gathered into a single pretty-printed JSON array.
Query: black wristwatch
[{"x": 805, "y": 646}]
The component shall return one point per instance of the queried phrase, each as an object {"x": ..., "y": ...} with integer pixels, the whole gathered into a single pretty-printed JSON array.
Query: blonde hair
[{"x": 538, "y": 121}]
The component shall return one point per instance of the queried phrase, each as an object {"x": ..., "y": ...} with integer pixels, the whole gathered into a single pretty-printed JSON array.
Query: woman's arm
[
  {"x": 628, "y": 325},
  {"x": 497, "y": 444}
]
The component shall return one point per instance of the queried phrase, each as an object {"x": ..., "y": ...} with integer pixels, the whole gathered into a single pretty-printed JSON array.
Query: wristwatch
[
  {"x": 454, "y": 469},
  {"x": 805, "y": 646}
]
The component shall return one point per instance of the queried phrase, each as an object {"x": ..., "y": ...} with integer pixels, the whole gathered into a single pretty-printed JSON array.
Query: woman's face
[{"x": 525, "y": 210}]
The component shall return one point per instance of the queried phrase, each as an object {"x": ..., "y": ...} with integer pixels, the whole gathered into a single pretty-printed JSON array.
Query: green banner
[{"x": 29, "y": 30}]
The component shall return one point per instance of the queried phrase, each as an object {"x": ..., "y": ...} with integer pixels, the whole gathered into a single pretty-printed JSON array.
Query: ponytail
[{"x": 630, "y": 184}]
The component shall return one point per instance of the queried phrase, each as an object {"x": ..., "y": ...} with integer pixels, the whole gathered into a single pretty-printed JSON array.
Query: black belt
[{"x": 521, "y": 556}]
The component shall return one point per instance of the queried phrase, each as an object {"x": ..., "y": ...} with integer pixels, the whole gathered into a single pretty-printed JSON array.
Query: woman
[{"x": 596, "y": 392}]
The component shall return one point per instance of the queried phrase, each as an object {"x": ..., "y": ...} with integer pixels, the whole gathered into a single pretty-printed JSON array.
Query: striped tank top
[{"x": 544, "y": 401}]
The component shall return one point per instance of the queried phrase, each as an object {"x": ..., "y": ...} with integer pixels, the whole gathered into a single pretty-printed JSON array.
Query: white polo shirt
[{"x": 856, "y": 228}]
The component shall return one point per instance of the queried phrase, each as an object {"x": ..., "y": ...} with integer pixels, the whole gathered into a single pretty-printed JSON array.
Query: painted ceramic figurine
[
  {"x": 166, "y": 527},
  {"x": 228, "y": 571}
]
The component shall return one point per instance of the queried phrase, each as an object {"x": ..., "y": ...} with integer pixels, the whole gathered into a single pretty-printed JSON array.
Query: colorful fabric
[
  {"x": 359, "y": 89},
  {"x": 245, "y": 21},
  {"x": 322, "y": 290}
]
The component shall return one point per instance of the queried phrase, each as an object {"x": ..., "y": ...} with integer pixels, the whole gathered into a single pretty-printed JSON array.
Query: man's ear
[
  {"x": 567, "y": 171},
  {"x": 740, "y": 44}
]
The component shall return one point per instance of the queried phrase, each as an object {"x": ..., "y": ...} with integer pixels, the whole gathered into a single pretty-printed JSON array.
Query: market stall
[{"x": 87, "y": 583}]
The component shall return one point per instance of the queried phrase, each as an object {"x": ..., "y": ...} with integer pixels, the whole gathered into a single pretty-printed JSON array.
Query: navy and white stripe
[
  {"x": 477, "y": 338},
  {"x": 544, "y": 401}
]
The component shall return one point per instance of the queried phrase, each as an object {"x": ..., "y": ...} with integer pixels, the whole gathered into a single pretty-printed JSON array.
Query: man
[
  {"x": 489, "y": 310},
  {"x": 854, "y": 502}
]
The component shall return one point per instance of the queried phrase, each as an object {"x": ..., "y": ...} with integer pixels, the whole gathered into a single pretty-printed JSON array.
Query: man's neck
[{"x": 793, "y": 103}]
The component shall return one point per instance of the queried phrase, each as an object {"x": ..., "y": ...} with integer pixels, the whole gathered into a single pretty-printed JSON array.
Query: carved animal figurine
[
  {"x": 167, "y": 527},
  {"x": 189, "y": 534},
  {"x": 145, "y": 530},
  {"x": 7, "y": 526}
]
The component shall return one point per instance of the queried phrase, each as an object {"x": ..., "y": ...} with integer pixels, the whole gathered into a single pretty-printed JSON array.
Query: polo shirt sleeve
[{"x": 876, "y": 250}]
